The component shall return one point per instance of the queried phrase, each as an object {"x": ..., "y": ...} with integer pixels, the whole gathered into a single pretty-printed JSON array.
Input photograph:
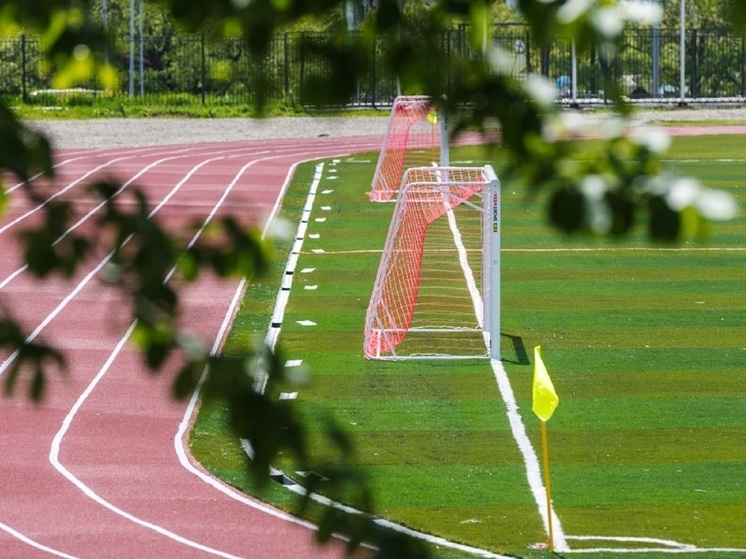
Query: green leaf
[
  {"x": 567, "y": 209},
  {"x": 665, "y": 223}
]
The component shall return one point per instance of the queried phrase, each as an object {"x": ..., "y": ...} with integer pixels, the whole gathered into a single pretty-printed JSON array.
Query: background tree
[{"x": 618, "y": 179}]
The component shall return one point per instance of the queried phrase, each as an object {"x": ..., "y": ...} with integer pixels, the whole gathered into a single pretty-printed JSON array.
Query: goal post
[
  {"x": 437, "y": 290},
  {"x": 416, "y": 136}
]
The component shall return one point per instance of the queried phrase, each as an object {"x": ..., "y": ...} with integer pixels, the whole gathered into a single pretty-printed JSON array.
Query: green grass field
[{"x": 646, "y": 346}]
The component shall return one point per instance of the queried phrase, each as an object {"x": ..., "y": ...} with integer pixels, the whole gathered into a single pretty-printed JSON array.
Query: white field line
[
  {"x": 665, "y": 546},
  {"x": 271, "y": 340},
  {"x": 577, "y": 249},
  {"x": 715, "y": 160},
  {"x": 517, "y": 428},
  {"x": 463, "y": 259},
  {"x": 530, "y": 459}
]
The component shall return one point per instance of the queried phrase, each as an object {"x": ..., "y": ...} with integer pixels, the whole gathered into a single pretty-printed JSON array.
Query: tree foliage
[{"x": 603, "y": 189}]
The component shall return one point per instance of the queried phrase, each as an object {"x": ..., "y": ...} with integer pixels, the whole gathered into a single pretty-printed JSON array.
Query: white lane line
[
  {"x": 93, "y": 154},
  {"x": 92, "y": 212},
  {"x": 61, "y": 306},
  {"x": 153, "y": 153},
  {"x": 58, "y": 193},
  {"x": 54, "y": 459},
  {"x": 57, "y": 310},
  {"x": 186, "y": 422},
  {"x": 59, "y": 437},
  {"x": 179, "y": 440},
  {"x": 4, "y": 366},
  {"x": 181, "y": 434},
  {"x": 28, "y": 541},
  {"x": 54, "y": 452}
]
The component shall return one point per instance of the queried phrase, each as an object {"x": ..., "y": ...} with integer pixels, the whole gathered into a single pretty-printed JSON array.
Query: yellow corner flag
[
  {"x": 545, "y": 398},
  {"x": 432, "y": 116}
]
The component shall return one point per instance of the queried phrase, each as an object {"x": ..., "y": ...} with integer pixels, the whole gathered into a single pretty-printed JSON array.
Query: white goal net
[
  {"x": 414, "y": 138},
  {"x": 436, "y": 293}
]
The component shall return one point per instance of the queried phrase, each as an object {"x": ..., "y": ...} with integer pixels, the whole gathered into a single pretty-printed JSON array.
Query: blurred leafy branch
[{"x": 602, "y": 192}]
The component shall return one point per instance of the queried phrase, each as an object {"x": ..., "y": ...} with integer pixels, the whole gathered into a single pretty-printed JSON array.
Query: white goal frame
[
  {"x": 414, "y": 303},
  {"x": 416, "y": 136}
]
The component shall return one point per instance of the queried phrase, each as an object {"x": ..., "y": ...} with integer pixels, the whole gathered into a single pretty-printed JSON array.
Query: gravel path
[{"x": 150, "y": 131}]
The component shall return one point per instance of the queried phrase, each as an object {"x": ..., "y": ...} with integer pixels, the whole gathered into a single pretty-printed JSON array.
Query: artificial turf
[{"x": 646, "y": 345}]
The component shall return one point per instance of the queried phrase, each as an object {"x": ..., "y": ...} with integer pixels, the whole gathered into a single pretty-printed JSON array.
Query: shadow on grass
[{"x": 519, "y": 356}]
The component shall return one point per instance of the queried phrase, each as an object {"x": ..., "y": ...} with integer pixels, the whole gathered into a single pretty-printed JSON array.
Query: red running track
[{"x": 100, "y": 469}]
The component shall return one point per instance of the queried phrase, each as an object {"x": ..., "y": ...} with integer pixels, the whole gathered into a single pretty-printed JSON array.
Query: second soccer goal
[
  {"x": 437, "y": 290},
  {"x": 416, "y": 136}
]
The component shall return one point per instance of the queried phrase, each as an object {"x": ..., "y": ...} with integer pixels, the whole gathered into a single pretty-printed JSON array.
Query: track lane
[{"x": 105, "y": 426}]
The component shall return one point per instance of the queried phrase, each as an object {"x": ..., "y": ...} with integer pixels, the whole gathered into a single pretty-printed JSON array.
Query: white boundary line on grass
[
  {"x": 531, "y": 461},
  {"x": 580, "y": 249},
  {"x": 668, "y": 546},
  {"x": 271, "y": 340}
]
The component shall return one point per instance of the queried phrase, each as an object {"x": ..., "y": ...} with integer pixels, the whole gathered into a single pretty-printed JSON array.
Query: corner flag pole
[
  {"x": 545, "y": 402},
  {"x": 547, "y": 483}
]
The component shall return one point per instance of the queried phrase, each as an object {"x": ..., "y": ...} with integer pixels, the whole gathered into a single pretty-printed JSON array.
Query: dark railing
[{"x": 179, "y": 70}]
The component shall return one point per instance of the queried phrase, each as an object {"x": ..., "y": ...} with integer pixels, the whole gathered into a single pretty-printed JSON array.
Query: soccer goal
[
  {"x": 437, "y": 290},
  {"x": 416, "y": 136}
]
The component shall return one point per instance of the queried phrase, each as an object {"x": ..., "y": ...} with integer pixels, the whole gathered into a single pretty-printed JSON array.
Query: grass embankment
[
  {"x": 646, "y": 347},
  {"x": 80, "y": 106}
]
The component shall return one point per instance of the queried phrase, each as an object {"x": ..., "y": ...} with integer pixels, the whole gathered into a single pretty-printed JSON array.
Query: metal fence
[{"x": 180, "y": 70}]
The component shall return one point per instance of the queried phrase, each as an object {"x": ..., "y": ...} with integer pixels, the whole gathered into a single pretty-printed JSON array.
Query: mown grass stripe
[{"x": 650, "y": 378}]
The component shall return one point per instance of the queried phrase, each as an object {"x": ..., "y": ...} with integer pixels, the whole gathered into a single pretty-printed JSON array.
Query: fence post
[
  {"x": 693, "y": 78},
  {"x": 682, "y": 54},
  {"x": 302, "y": 63},
  {"x": 203, "y": 63},
  {"x": 286, "y": 51},
  {"x": 743, "y": 63},
  {"x": 24, "y": 93},
  {"x": 545, "y": 57},
  {"x": 373, "y": 70},
  {"x": 656, "y": 60}
]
